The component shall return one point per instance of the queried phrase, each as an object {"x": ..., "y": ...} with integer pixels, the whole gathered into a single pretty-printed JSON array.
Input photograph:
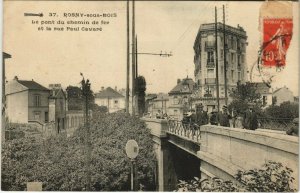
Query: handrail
[{"x": 184, "y": 129}]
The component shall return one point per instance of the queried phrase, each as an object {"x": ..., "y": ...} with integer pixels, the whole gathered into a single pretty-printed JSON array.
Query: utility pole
[
  {"x": 133, "y": 57},
  {"x": 225, "y": 62},
  {"x": 86, "y": 91},
  {"x": 128, "y": 65},
  {"x": 136, "y": 75},
  {"x": 136, "y": 57},
  {"x": 217, "y": 68}
]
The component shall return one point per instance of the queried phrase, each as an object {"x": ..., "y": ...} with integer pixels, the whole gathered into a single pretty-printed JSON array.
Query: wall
[
  {"x": 225, "y": 150},
  {"x": 44, "y": 105},
  {"x": 17, "y": 107},
  {"x": 74, "y": 119},
  {"x": 110, "y": 103},
  {"x": 283, "y": 95}
]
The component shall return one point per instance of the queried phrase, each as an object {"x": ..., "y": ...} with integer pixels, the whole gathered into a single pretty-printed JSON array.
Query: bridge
[{"x": 184, "y": 151}]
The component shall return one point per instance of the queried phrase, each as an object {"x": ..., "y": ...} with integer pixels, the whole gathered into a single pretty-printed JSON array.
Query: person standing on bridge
[
  {"x": 201, "y": 115},
  {"x": 224, "y": 117},
  {"x": 250, "y": 118}
]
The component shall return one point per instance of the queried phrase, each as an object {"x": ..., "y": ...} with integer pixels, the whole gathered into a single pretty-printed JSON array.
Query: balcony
[
  {"x": 209, "y": 45},
  {"x": 210, "y": 64},
  {"x": 210, "y": 80}
]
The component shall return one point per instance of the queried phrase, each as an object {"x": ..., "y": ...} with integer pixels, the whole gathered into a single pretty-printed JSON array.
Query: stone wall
[{"x": 225, "y": 150}]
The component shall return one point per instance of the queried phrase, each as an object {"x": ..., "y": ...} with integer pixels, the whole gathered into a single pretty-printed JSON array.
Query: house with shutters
[{"x": 27, "y": 101}]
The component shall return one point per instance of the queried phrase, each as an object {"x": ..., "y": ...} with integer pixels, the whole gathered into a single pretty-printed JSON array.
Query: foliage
[
  {"x": 74, "y": 98},
  {"x": 272, "y": 177},
  {"x": 285, "y": 110},
  {"x": 59, "y": 162},
  {"x": 244, "y": 94},
  {"x": 140, "y": 90}
]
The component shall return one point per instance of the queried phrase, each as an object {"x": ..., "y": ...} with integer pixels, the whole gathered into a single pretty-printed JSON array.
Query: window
[
  {"x": 175, "y": 101},
  {"x": 264, "y": 100},
  {"x": 46, "y": 117},
  {"x": 222, "y": 69},
  {"x": 37, "y": 115},
  {"x": 221, "y": 53},
  {"x": 37, "y": 100},
  {"x": 243, "y": 58},
  {"x": 232, "y": 58},
  {"x": 210, "y": 73},
  {"x": 116, "y": 103},
  {"x": 210, "y": 56},
  {"x": 232, "y": 75},
  {"x": 239, "y": 76}
]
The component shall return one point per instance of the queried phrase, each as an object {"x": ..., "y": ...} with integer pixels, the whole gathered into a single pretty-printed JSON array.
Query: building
[
  {"x": 205, "y": 62},
  {"x": 57, "y": 106},
  {"x": 110, "y": 98},
  {"x": 283, "y": 94},
  {"x": 27, "y": 101},
  {"x": 180, "y": 98},
  {"x": 264, "y": 90},
  {"x": 157, "y": 104}
]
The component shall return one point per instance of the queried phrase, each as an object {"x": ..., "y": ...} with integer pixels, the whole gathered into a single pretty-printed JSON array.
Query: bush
[
  {"x": 60, "y": 162},
  {"x": 272, "y": 177}
]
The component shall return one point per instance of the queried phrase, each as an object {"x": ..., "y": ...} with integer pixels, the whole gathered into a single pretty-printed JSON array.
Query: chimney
[
  {"x": 16, "y": 78},
  {"x": 178, "y": 81},
  {"x": 102, "y": 88},
  {"x": 116, "y": 88}
]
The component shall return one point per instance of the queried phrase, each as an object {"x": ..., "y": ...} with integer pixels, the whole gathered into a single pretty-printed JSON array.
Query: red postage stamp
[{"x": 277, "y": 34}]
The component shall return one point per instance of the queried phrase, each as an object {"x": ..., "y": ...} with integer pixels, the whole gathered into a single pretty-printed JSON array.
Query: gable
[{"x": 14, "y": 87}]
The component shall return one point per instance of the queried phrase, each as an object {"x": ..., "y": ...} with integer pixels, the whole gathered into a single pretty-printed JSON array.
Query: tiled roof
[
  {"x": 179, "y": 88},
  {"x": 108, "y": 92},
  {"x": 32, "y": 85}
]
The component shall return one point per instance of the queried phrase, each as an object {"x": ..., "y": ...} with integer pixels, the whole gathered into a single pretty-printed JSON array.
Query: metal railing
[
  {"x": 282, "y": 124},
  {"x": 184, "y": 129}
]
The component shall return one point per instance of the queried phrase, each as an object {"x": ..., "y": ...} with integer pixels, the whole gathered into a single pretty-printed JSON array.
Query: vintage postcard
[{"x": 150, "y": 96}]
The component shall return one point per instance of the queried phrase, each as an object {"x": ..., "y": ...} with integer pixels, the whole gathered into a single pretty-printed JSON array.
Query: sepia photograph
[{"x": 184, "y": 96}]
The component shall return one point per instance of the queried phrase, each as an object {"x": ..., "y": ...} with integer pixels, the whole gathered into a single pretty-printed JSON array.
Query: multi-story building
[
  {"x": 205, "y": 62},
  {"x": 27, "y": 101},
  {"x": 158, "y": 104},
  {"x": 180, "y": 98},
  {"x": 264, "y": 90}
]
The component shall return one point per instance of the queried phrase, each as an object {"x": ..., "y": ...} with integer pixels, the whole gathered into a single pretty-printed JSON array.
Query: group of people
[{"x": 223, "y": 118}]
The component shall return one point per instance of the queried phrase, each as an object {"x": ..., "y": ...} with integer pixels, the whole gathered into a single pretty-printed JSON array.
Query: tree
[
  {"x": 59, "y": 162},
  {"x": 285, "y": 110},
  {"x": 272, "y": 177},
  {"x": 140, "y": 91},
  {"x": 76, "y": 99},
  {"x": 244, "y": 94}
]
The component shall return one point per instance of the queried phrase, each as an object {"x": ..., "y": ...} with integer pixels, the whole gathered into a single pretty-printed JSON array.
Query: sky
[{"x": 58, "y": 57}]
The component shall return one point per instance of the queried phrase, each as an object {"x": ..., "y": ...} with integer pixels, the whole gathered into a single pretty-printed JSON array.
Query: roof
[
  {"x": 280, "y": 89},
  {"x": 32, "y": 85},
  {"x": 55, "y": 92},
  {"x": 180, "y": 87},
  {"x": 108, "y": 92},
  {"x": 162, "y": 96}
]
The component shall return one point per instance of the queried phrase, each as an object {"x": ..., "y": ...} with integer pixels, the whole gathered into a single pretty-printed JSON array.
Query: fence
[
  {"x": 184, "y": 129},
  {"x": 281, "y": 124}
]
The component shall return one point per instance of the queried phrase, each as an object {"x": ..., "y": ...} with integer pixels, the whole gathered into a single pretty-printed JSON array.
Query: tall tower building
[{"x": 205, "y": 62}]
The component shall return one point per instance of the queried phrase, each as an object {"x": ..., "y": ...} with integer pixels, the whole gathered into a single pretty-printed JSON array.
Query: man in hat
[
  {"x": 224, "y": 117},
  {"x": 250, "y": 118},
  {"x": 201, "y": 115},
  {"x": 294, "y": 130},
  {"x": 214, "y": 117}
]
